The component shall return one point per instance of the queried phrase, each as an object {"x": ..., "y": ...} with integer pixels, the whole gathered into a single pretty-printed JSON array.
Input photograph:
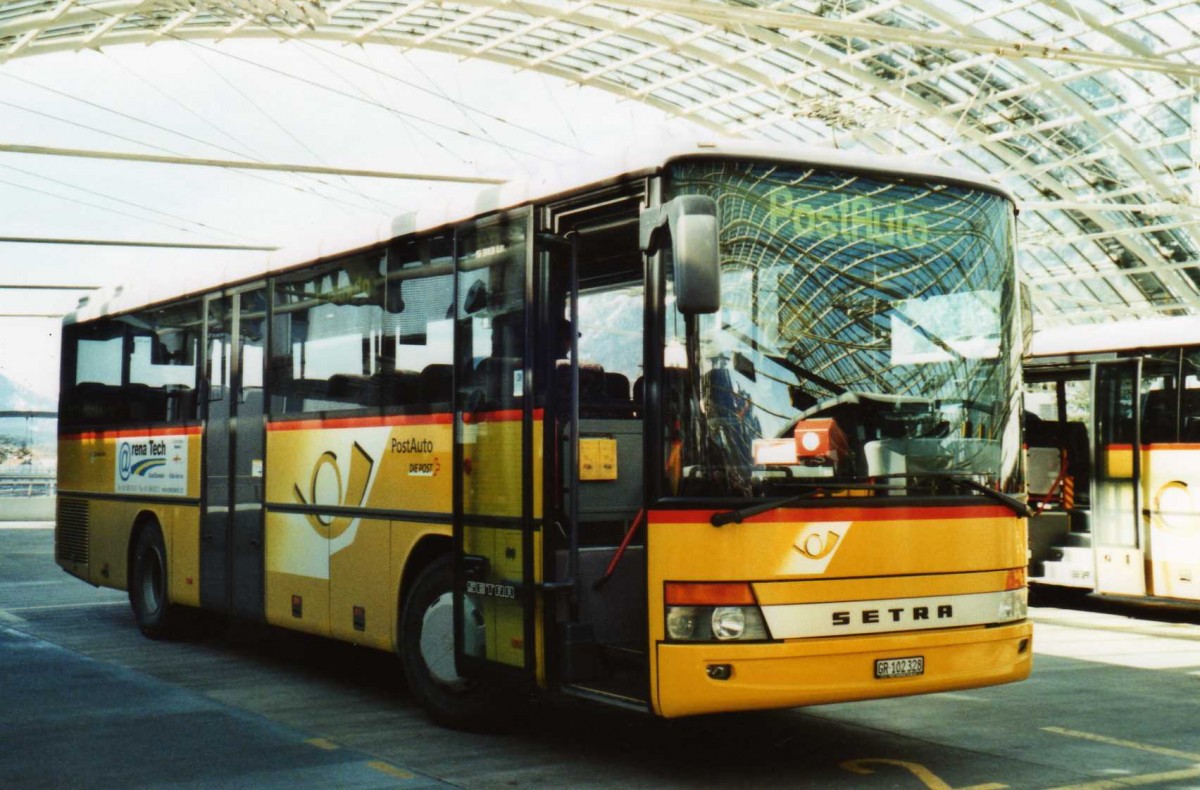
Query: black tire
[
  {"x": 148, "y": 586},
  {"x": 427, "y": 653}
]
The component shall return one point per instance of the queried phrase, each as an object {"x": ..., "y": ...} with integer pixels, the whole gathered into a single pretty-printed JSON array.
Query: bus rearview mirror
[{"x": 689, "y": 225}]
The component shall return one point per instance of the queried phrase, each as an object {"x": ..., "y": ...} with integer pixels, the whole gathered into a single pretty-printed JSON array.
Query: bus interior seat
[
  {"x": 346, "y": 388},
  {"x": 435, "y": 386},
  {"x": 675, "y": 385},
  {"x": 99, "y": 404},
  {"x": 1191, "y": 416},
  {"x": 395, "y": 387},
  {"x": 617, "y": 395},
  {"x": 496, "y": 378},
  {"x": 1158, "y": 416},
  {"x": 1079, "y": 461},
  {"x": 181, "y": 402},
  {"x": 145, "y": 403},
  {"x": 602, "y": 395}
]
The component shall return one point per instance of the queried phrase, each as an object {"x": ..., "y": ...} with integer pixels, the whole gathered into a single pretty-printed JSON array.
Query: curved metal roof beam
[
  {"x": 859, "y": 72},
  {"x": 1180, "y": 287},
  {"x": 757, "y": 97}
]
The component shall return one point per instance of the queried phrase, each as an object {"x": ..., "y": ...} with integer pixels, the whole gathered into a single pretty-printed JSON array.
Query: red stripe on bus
[
  {"x": 505, "y": 415},
  {"x": 1160, "y": 446},
  {"x": 1117, "y": 447},
  {"x": 842, "y": 514},
  {"x": 374, "y": 421},
  {"x": 118, "y": 433}
]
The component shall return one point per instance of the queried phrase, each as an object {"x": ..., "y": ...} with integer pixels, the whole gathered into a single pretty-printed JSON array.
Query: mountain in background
[
  {"x": 23, "y": 440},
  {"x": 18, "y": 397}
]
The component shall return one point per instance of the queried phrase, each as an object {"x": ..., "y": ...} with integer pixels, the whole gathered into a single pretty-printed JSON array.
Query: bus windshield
[{"x": 867, "y": 333}]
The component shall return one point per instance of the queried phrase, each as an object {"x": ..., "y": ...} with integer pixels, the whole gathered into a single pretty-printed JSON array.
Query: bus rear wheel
[
  {"x": 156, "y": 616},
  {"x": 427, "y": 653}
]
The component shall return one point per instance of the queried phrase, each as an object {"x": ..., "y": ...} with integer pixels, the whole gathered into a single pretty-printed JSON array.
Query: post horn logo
[
  {"x": 818, "y": 547},
  {"x": 327, "y": 489}
]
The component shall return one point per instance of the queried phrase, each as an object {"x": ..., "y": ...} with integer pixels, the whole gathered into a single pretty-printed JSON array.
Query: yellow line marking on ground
[
  {"x": 1087, "y": 736},
  {"x": 1135, "y": 781},
  {"x": 927, "y": 777},
  {"x": 391, "y": 770},
  {"x": 50, "y": 606},
  {"x": 322, "y": 743}
]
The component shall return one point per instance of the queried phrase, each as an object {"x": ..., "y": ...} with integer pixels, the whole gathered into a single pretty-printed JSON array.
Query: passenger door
[
  {"x": 231, "y": 535},
  {"x": 496, "y": 448},
  {"x": 1116, "y": 506}
]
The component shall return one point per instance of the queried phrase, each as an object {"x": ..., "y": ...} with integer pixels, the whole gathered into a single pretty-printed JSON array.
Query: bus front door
[
  {"x": 591, "y": 349},
  {"x": 231, "y": 536},
  {"x": 497, "y": 445},
  {"x": 1116, "y": 510}
]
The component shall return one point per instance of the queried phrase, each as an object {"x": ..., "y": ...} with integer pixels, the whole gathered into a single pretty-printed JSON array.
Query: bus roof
[
  {"x": 557, "y": 180},
  {"x": 1062, "y": 341}
]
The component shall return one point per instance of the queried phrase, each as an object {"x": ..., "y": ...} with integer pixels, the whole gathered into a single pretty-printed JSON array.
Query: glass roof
[{"x": 1088, "y": 110}]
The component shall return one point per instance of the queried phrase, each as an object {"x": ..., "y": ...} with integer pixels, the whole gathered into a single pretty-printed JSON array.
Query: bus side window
[
  {"x": 163, "y": 371},
  {"x": 329, "y": 337},
  {"x": 92, "y": 374},
  {"x": 1191, "y": 396},
  {"x": 1160, "y": 397},
  {"x": 420, "y": 306},
  {"x": 139, "y": 369}
]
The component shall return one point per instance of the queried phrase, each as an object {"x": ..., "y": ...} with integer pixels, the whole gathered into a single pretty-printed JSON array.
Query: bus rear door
[
  {"x": 231, "y": 536},
  {"x": 1116, "y": 509},
  {"x": 496, "y": 437}
]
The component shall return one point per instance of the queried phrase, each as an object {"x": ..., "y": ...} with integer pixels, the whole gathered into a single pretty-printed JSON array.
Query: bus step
[
  {"x": 608, "y": 694},
  {"x": 1082, "y": 540},
  {"x": 623, "y": 655},
  {"x": 1066, "y": 573}
]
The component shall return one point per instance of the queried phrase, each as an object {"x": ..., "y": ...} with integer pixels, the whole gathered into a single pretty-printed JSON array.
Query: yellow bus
[
  {"x": 719, "y": 428},
  {"x": 1113, "y": 428}
]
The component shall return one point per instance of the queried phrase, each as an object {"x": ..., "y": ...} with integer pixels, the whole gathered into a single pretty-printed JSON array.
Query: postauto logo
[{"x": 140, "y": 458}]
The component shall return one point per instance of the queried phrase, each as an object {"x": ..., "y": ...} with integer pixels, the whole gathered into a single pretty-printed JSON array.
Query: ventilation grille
[{"x": 71, "y": 535}]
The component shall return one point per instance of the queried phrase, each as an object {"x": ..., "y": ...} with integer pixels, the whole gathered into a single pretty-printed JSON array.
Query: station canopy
[{"x": 1087, "y": 109}]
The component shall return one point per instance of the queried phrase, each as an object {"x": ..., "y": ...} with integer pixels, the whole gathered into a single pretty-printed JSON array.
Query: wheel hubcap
[{"x": 437, "y": 641}]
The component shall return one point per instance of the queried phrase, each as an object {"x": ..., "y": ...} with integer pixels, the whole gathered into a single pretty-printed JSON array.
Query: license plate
[{"x": 899, "y": 667}]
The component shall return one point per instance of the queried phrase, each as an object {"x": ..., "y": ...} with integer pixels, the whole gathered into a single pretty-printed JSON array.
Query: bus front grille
[{"x": 71, "y": 534}]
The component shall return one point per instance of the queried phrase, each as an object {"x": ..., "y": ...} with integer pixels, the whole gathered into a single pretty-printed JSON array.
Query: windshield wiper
[
  {"x": 963, "y": 481},
  {"x": 743, "y": 513},
  {"x": 1017, "y": 506}
]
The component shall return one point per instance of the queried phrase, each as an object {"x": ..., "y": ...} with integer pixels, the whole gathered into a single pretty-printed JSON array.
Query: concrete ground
[{"x": 85, "y": 701}]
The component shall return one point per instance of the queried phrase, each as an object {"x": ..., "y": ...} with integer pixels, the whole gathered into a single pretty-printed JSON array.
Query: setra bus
[
  {"x": 1113, "y": 431},
  {"x": 724, "y": 428}
]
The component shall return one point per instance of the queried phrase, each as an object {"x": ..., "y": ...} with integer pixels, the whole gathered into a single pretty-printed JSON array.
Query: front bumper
[{"x": 841, "y": 669}]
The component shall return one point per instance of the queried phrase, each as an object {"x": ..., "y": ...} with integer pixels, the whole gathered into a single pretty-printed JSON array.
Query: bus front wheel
[
  {"x": 427, "y": 653},
  {"x": 152, "y": 609}
]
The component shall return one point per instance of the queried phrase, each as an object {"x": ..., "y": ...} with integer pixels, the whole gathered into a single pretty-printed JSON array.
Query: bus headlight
[
  {"x": 716, "y": 623},
  {"x": 713, "y": 611},
  {"x": 738, "y": 622},
  {"x": 1014, "y": 605},
  {"x": 728, "y": 622},
  {"x": 681, "y": 622}
]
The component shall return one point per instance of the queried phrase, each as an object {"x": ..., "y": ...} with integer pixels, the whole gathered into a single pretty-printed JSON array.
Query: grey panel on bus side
[
  {"x": 214, "y": 532},
  {"x": 617, "y": 611},
  {"x": 614, "y": 499},
  {"x": 246, "y": 542}
]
